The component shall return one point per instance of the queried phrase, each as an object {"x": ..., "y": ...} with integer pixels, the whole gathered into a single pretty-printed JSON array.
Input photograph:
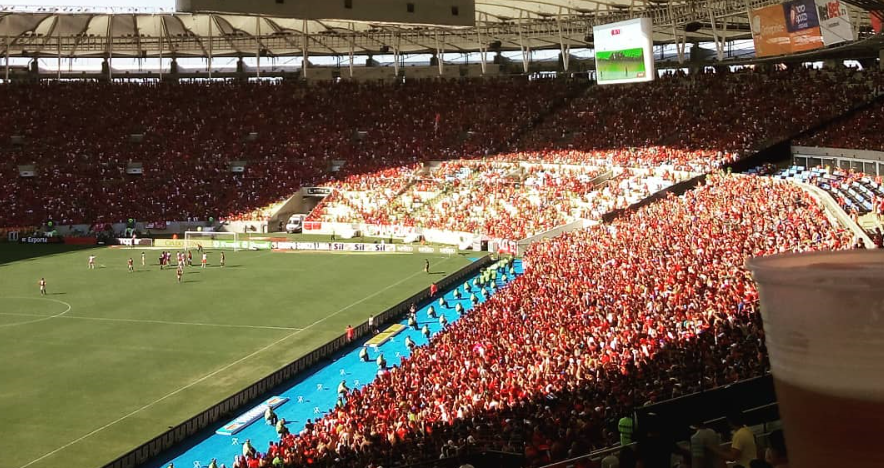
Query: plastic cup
[{"x": 824, "y": 327}]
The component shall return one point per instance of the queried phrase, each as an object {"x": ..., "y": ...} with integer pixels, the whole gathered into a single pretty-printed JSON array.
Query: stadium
[{"x": 399, "y": 233}]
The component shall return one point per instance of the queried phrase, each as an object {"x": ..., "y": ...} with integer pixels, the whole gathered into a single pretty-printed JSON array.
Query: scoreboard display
[{"x": 623, "y": 51}]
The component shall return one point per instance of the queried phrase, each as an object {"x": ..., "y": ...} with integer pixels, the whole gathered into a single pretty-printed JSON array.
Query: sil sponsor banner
[
  {"x": 244, "y": 245},
  {"x": 317, "y": 191},
  {"x": 786, "y": 28},
  {"x": 834, "y": 21},
  {"x": 361, "y": 247},
  {"x": 144, "y": 242}
]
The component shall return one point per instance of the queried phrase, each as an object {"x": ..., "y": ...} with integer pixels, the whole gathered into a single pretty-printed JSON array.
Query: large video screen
[{"x": 623, "y": 51}]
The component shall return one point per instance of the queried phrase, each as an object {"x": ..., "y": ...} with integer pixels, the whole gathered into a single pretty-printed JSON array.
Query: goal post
[{"x": 211, "y": 240}]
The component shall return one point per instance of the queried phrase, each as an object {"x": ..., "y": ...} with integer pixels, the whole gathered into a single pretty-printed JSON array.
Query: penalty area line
[{"x": 218, "y": 371}]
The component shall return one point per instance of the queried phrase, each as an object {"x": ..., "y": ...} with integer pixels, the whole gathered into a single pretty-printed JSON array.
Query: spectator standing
[
  {"x": 703, "y": 444},
  {"x": 626, "y": 427},
  {"x": 743, "y": 449}
]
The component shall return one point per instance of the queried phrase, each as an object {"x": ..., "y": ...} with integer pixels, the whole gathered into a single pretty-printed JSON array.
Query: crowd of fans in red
[
  {"x": 481, "y": 196},
  {"x": 78, "y": 135},
  {"x": 193, "y": 132},
  {"x": 733, "y": 112},
  {"x": 655, "y": 305},
  {"x": 863, "y": 130}
]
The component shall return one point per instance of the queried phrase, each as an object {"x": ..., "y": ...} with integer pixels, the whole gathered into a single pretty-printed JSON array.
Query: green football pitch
[{"x": 109, "y": 359}]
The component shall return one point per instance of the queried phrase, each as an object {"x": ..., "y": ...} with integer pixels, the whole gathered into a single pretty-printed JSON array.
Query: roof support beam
[
  {"x": 258, "y": 46},
  {"x": 440, "y": 51},
  {"x": 161, "y": 37},
  {"x": 482, "y": 46},
  {"x": 397, "y": 54},
  {"x": 6, "y": 52},
  {"x": 110, "y": 47},
  {"x": 525, "y": 51},
  {"x": 680, "y": 42},
  {"x": 719, "y": 39},
  {"x": 566, "y": 49},
  {"x": 58, "y": 44},
  {"x": 211, "y": 40},
  {"x": 352, "y": 46},
  {"x": 305, "y": 47}
]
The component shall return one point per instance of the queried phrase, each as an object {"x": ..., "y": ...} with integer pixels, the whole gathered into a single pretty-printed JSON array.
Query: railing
[
  {"x": 756, "y": 395},
  {"x": 258, "y": 390},
  {"x": 592, "y": 456},
  {"x": 522, "y": 245}
]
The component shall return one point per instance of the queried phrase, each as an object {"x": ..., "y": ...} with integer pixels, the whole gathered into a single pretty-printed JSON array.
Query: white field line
[
  {"x": 43, "y": 317},
  {"x": 222, "y": 369}
]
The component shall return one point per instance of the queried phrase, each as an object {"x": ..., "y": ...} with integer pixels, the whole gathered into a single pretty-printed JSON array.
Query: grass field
[
  {"x": 109, "y": 359},
  {"x": 620, "y": 64}
]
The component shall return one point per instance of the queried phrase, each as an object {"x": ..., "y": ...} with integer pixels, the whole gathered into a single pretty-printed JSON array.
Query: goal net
[{"x": 211, "y": 240}]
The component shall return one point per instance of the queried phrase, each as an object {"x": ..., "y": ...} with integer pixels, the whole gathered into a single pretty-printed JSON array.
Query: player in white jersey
[
  {"x": 92, "y": 262},
  {"x": 204, "y": 261}
]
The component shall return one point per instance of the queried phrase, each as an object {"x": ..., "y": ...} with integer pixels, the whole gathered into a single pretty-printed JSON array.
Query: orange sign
[{"x": 786, "y": 29}]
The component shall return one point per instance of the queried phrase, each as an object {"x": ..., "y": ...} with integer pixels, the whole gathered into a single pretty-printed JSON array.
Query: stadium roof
[{"x": 503, "y": 24}]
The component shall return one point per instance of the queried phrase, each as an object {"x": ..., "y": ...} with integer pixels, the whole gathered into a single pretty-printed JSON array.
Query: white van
[{"x": 295, "y": 224}]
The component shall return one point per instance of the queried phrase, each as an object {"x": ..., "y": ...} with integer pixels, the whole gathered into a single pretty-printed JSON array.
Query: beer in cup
[{"x": 824, "y": 327}]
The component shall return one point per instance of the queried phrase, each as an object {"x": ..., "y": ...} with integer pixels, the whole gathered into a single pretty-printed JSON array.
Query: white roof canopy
[{"x": 514, "y": 24}]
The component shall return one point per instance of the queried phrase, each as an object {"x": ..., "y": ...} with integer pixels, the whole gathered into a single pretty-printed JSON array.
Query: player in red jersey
[{"x": 131, "y": 265}]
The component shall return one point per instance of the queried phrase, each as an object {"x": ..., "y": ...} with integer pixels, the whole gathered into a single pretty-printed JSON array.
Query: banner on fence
[
  {"x": 362, "y": 247},
  {"x": 144, "y": 242}
]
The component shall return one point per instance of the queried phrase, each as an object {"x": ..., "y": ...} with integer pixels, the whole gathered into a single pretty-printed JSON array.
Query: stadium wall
[
  {"x": 262, "y": 389},
  {"x": 833, "y": 153}
]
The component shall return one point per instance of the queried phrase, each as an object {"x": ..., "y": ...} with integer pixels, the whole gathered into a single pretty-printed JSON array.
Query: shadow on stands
[{"x": 11, "y": 252}]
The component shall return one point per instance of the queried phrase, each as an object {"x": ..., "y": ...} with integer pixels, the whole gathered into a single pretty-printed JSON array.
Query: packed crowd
[
  {"x": 289, "y": 135},
  {"x": 730, "y": 111},
  {"x": 655, "y": 305},
  {"x": 193, "y": 132},
  {"x": 674, "y": 159},
  {"x": 499, "y": 197},
  {"x": 507, "y": 201},
  {"x": 863, "y": 130}
]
